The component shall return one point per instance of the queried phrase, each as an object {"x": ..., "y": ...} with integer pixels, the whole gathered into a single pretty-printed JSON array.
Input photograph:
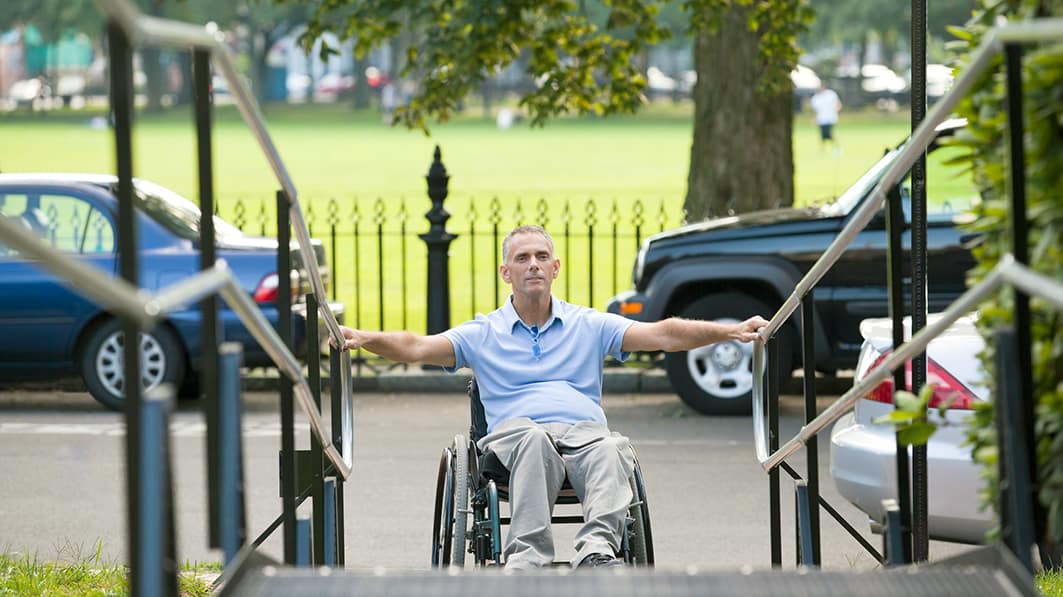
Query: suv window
[{"x": 67, "y": 223}]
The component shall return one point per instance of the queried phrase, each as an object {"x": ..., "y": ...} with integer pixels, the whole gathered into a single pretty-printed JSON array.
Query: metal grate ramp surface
[{"x": 961, "y": 581}]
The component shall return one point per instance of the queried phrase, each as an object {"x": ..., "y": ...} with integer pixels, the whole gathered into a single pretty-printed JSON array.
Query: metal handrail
[
  {"x": 1033, "y": 31},
  {"x": 1007, "y": 271},
  {"x": 143, "y": 29},
  {"x": 146, "y": 309}
]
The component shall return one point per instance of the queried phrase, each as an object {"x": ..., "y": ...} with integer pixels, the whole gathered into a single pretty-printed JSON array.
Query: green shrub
[{"x": 987, "y": 142}]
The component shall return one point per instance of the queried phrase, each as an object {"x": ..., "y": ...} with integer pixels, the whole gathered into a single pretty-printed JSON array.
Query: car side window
[{"x": 67, "y": 223}]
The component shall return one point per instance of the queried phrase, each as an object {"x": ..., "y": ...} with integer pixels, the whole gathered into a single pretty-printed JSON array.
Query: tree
[
  {"x": 52, "y": 17},
  {"x": 844, "y": 20},
  {"x": 583, "y": 60}
]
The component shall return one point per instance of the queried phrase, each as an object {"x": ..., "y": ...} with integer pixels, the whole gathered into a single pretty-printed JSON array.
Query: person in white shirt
[{"x": 826, "y": 105}]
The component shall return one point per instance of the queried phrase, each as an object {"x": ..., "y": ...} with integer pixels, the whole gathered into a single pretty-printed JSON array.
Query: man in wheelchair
[{"x": 538, "y": 363}]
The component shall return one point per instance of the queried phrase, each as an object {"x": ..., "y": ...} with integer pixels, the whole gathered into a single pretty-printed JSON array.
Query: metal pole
[
  {"x": 336, "y": 396},
  {"x": 438, "y": 240},
  {"x": 895, "y": 286},
  {"x": 284, "y": 329},
  {"x": 232, "y": 523},
  {"x": 121, "y": 81},
  {"x": 773, "y": 439},
  {"x": 1017, "y": 525},
  {"x": 920, "y": 535},
  {"x": 805, "y": 550},
  {"x": 1026, "y": 417},
  {"x": 808, "y": 338},
  {"x": 329, "y": 528},
  {"x": 303, "y": 534},
  {"x": 317, "y": 459},
  {"x": 158, "y": 565},
  {"x": 208, "y": 307},
  {"x": 892, "y": 538}
]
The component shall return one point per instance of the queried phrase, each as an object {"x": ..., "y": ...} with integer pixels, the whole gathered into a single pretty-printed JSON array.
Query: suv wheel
[
  {"x": 718, "y": 379},
  {"x": 102, "y": 362}
]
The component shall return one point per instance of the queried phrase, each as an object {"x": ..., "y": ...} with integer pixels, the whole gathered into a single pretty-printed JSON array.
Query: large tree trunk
[{"x": 741, "y": 158}]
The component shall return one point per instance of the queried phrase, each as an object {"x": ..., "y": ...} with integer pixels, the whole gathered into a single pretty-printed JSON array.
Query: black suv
[{"x": 730, "y": 268}]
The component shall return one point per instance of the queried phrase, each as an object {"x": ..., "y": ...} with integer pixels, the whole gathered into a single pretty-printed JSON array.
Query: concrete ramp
[{"x": 991, "y": 573}]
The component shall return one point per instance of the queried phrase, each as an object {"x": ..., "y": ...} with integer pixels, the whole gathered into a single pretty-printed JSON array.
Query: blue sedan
[{"x": 48, "y": 330}]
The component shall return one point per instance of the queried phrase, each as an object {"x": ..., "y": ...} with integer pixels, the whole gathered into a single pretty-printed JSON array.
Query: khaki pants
[{"x": 599, "y": 464}]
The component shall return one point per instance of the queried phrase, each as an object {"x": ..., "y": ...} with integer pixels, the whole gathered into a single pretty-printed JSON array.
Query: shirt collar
[{"x": 509, "y": 314}]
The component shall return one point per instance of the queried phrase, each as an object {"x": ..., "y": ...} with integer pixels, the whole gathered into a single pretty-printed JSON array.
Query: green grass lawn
[{"x": 586, "y": 173}]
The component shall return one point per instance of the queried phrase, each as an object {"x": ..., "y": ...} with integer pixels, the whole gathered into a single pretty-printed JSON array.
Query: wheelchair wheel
[
  {"x": 460, "y": 497},
  {"x": 442, "y": 529},
  {"x": 641, "y": 536},
  {"x": 486, "y": 538}
]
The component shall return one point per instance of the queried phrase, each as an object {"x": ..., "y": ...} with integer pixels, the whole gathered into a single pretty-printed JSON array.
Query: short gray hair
[{"x": 525, "y": 229}]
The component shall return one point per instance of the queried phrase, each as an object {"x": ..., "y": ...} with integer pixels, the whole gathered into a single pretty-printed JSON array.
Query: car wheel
[
  {"x": 718, "y": 379},
  {"x": 102, "y": 361}
]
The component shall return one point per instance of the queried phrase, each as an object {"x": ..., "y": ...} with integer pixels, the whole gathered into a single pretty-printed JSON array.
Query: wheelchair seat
[{"x": 489, "y": 466}]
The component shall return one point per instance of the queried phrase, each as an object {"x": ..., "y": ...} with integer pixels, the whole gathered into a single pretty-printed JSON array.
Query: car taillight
[
  {"x": 947, "y": 389},
  {"x": 267, "y": 292}
]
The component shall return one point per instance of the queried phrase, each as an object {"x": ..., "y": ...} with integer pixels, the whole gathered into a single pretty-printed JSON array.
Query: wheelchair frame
[{"x": 461, "y": 490}]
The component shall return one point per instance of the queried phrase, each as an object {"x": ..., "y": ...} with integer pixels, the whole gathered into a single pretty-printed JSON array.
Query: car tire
[
  {"x": 718, "y": 379},
  {"x": 101, "y": 363}
]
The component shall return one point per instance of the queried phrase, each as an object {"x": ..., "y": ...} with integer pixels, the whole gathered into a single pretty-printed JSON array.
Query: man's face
[{"x": 531, "y": 266}]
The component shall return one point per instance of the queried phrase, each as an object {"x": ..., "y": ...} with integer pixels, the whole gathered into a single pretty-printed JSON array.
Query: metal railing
[
  {"x": 124, "y": 300},
  {"x": 1009, "y": 270},
  {"x": 149, "y": 480},
  {"x": 144, "y": 29},
  {"x": 127, "y": 28}
]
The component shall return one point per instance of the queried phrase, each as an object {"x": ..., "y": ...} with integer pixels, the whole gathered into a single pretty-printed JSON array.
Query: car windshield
[
  {"x": 176, "y": 213},
  {"x": 856, "y": 193}
]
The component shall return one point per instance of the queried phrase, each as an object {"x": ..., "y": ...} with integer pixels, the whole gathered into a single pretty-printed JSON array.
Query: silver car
[{"x": 863, "y": 453}]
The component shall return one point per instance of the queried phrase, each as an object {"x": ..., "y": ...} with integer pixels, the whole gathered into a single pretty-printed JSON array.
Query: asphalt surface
[{"x": 64, "y": 480}]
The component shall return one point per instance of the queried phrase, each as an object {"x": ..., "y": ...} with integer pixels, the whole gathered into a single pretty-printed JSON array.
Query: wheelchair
[{"x": 471, "y": 482}]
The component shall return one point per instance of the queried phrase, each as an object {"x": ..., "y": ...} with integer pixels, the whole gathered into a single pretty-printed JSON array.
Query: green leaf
[
  {"x": 897, "y": 417},
  {"x": 916, "y": 434},
  {"x": 908, "y": 402}
]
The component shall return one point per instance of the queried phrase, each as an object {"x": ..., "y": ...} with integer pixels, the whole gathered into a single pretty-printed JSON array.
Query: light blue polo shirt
[{"x": 551, "y": 374}]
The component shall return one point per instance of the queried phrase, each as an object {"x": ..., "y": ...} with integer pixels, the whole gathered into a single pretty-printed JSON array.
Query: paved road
[{"x": 63, "y": 489}]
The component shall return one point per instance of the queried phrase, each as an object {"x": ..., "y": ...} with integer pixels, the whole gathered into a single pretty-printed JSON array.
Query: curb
[{"x": 433, "y": 382}]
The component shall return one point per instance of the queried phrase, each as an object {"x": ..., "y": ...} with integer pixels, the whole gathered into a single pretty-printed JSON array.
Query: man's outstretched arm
[
  {"x": 403, "y": 347},
  {"x": 675, "y": 334}
]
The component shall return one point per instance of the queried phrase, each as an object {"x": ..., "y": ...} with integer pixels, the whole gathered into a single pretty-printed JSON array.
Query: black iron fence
[{"x": 379, "y": 266}]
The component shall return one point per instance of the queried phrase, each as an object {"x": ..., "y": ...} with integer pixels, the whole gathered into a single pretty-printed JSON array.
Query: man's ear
[
  {"x": 557, "y": 267},
  {"x": 503, "y": 271}
]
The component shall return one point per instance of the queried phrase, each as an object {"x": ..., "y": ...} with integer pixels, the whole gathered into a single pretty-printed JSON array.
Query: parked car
[
  {"x": 730, "y": 268},
  {"x": 863, "y": 453},
  {"x": 49, "y": 330}
]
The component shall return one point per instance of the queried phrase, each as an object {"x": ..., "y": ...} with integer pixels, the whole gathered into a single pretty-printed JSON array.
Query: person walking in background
[{"x": 825, "y": 105}]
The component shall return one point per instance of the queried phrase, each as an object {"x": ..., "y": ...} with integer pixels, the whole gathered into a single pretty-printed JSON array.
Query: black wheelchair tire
[
  {"x": 441, "y": 522},
  {"x": 642, "y": 538}
]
